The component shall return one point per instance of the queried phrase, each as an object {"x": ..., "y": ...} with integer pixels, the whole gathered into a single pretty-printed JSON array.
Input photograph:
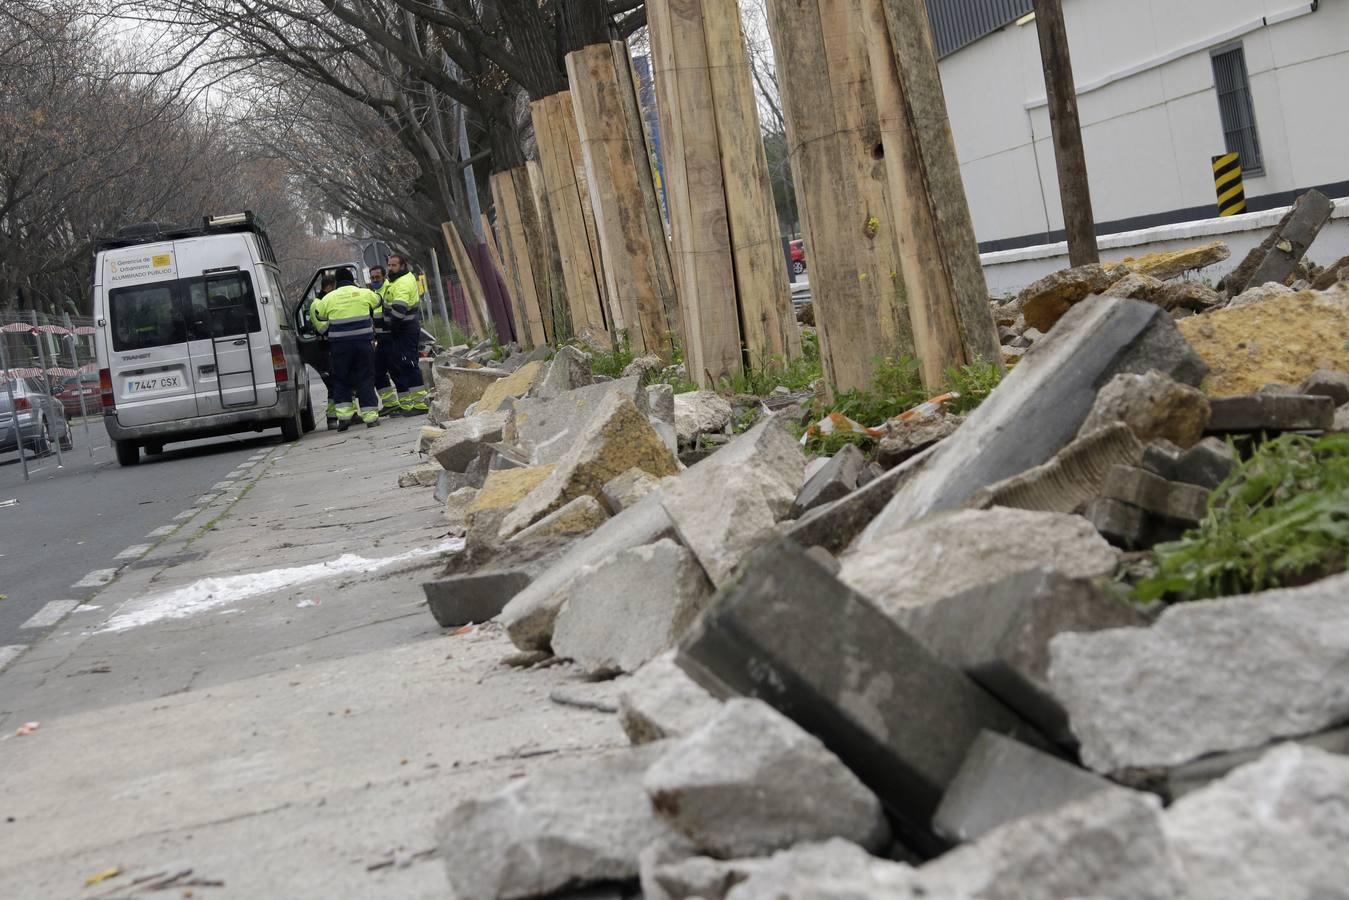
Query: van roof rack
[{"x": 154, "y": 232}]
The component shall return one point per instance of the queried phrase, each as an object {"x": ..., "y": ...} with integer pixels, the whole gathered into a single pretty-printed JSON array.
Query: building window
[{"x": 1238, "y": 113}]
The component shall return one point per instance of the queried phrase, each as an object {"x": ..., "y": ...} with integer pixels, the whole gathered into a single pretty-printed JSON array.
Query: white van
[{"x": 195, "y": 338}]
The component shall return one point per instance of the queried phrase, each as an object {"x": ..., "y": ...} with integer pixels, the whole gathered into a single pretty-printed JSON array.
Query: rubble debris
[
  {"x": 1259, "y": 293},
  {"x": 1002, "y": 780},
  {"x": 1271, "y": 413},
  {"x": 998, "y": 633},
  {"x": 506, "y": 487},
  {"x": 1335, "y": 272},
  {"x": 459, "y": 388},
  {"x": 529, "y": 617},
  {"x": 1207, "y": 677},
  {"x": 1277, "y": 257},
  {"x": 836, "y": 478},
  {"x": 1072, "y": 479},
  {"x": 1134, "y": 286},
  {"x": 1153, "y": 405},
  {"x": 643, "y": 367},
  {"x": 422, "y": 476},
  {"x": 458, "y": 445},
  {"x": 953, "y": 552},
  {"x": 1110, "y": 844},
  {"x": 835, "y": 525},
  {"x": 1183, "y": 503},
  {"x": 1272, "y": 828},
  {"x": 624, "y": 490},
  {"x": 426, "y": 436},
  {"x": 617, "y": 437},
  {"x": 754, "y": 480},
  {"x": 576, "y": 517},
  {"x": 1168, "y": 264},
  {"x": 568, "y": 370},
  {"x": 750, "y": 781},
  {"x": 1036, "y": 410},
  {"x": 466, "y": 599},
  {"x": 660, "y": 701},
  {"x": 660, "y": 402},
  {"x": 908, "y": 437},
  {"x": 1327, "y": 383},
  {"x": 1206, "y": 464},
  {"x": 833, "y": 869},
  {"x": 596, "y": 696},
  {"x": 1122, "y": 524},
  {"x": 626, "y": 610},
  {"x": 683, "y": 877},
  {"x": 457, "y": 505},
  {"x": 513, "y": 386},
  {"x": 1189, "y": 777},
  {"x": 699, "y": 412},
  {"x": 897, "y": 716},
  {"x": 547, "y": 430},
  {"x": 564, "y": 826},
  {"x": 1044, "y": 302},
  {"x": 1284, "y": 338},
  {"x": 1188, "y": 296}
]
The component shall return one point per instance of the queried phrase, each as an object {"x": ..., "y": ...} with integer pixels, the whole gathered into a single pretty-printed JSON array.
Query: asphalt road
[{"x": 74, "y": 519}]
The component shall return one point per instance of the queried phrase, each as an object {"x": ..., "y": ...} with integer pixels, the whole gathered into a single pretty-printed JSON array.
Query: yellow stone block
[
  {"x": 506, "y": 487},
  {"x": 516, "y": 384}
]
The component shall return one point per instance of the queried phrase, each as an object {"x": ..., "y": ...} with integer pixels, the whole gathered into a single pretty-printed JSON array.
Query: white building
[{"x": 1152, "y": 115}]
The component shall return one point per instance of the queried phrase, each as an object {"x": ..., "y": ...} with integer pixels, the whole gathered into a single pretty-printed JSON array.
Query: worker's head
[
  {"x": 376, "y": 277},
  {"x": 326, "y": 284},
  {"x": 345, "y": 277},
  {"x": 397, "y": 265}
]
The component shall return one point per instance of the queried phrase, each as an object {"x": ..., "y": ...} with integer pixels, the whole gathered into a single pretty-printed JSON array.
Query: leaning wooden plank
[
  {"x": 469, "y": 282},
  {"x": 518, "y": 251},
  {"x": 505, "y": 282}
]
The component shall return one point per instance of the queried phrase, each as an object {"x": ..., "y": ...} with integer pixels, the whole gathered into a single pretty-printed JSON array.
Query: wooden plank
[
  {"x": 635, "y": 263},
  {"x": 701, "y": 251},
  {"x": 952, "y": 323},
  {"x": 769, "y": 329},
  {"x": 513, "y": 297},
  {"x": 518, "y": 251},
  {"x": 556, "y": 318},
  {"x": 474, "y": 298},
  {"x": 833, "y": 137},
  {"x": 554, "y": 127}
]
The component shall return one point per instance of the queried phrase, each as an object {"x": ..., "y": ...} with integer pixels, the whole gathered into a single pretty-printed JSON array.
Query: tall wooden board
[
  {"x": 556, "y": 317},
  {"x": 518, "y": 253},
  {"x": 474, "y": 297}
]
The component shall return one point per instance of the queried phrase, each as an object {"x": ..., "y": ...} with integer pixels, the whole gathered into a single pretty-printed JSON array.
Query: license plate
[{"x": 155, "y": 383}]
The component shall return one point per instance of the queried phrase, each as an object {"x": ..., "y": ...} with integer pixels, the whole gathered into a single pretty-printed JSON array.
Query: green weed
[{"x": 974, "y": 382}]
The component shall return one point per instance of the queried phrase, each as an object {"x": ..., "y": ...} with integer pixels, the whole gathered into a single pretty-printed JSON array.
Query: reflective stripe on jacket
[
  {"x": 346, "y": 313},
  {"x": 401, "y": 296}
]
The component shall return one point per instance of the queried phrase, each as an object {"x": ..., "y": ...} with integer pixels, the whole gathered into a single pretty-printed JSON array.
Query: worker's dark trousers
[
  {"x": 408, "y": 331},
  {"x": 351, "y": 362},
  {"x": 386, "y": 361}
]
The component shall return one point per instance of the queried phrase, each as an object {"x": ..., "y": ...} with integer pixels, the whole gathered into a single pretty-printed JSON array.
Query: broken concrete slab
[
  {"x": 463, "y": 599},
  {"x": 1171, "y": 263},
  {"x": 660, "y": 400},
  {"x": 568, "y": 370},
  {"x": 1002, "y": 780},
  {"x": 835, "y": 479},
  {"x": 457, "y": 505},
  {"x": 422, "y": 476},
  {"x": 1191, "y": 776},
  {"x": 829, "y": 870},
  {"x": 1040, "y": 406},
  {"x": 548, "y": 428},
  {"x": 530, "y": 616},
  {"x": 683, "y": 877},
  {"x": 1257, "y": 293},
  {"x": 562, "y": 827},
  {"x": 1072, "y": 479},
  {"x": 515, "y": 385},
  {"x": 644, "y": 367},
  {"x": 1110, "y": 844},
  {"x": 1206, "y": 464},
  {"x": 957, "y": 551},
  {"x": 1327, "y": 383},
  {"x": 1295, "y": 234},
  {"x": 700, "y": 412},
  {"x": 1123, "y": 525},
  {"x": 754, "y": 480},
  {"x": 751, "y": 781},
  {"x": 1254, "y": 668},
  {"x": 1184, "y": 503},
  {"x": 625, "y": 490},
  {"x": 1273, "y": 828},
  {"x": 907, "y": 437},
  {"x": 660, "y": 701},
  {"x": 426, "y": 436},
  {"x": 1046, "y": 301},
  {"x": 458, "y": 445},
  {"x": 998, "y": 633},
  {"x": 577, "y": 517},
  {"x": 1134, "y": 286},
  {"x": 1188, "y": 297},
  {"x": 1272, "y": 413},
  {"x": 626, "y": 610},
  {"x": 896, "y": 715},
  {"x": 504, "y": 488},
  {"x": 1154, "y": 405},
  {"x": 459, "y": 388}
]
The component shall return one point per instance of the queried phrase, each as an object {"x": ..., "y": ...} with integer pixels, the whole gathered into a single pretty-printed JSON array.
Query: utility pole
[{"x": 1069, "y": 156}]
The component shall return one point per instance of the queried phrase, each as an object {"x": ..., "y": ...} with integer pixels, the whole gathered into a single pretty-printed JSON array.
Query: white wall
[{"x": 1149, "y": 112}]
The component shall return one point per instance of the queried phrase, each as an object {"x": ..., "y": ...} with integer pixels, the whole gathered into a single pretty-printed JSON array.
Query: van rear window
[
  {"x": 222, "y": 306},
  {"x": 146, "y": 315}
]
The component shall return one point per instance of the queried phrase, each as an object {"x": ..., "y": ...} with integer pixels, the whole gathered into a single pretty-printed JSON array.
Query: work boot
[
  {"x": 331, "y": 423},
  {"x": 373, "y": 423},
  {"x": 343, "y": 424}
]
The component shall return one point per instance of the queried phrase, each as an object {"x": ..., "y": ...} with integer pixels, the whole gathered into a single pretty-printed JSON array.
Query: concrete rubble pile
[{"x": 914, "y": 677}]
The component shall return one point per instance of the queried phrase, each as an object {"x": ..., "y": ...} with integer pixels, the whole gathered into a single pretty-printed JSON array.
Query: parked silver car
[{"x": 41, "y": 418}]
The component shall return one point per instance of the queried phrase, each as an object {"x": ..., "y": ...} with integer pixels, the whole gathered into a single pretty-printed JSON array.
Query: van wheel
[
  {"x": 291, "y": 428},
  {"x": 68, "y": 442},
  {"x": 128, "y": 453},
  {"x": 307, "y": 423},
  {"x": 154, "y": 449},
  {"x": 43, "y": 445}
]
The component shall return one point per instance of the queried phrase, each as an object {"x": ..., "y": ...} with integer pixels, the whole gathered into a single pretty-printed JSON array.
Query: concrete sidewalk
[{"x": 231, "y": 707}]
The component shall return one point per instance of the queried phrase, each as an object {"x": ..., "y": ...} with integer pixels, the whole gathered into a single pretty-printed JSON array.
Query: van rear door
[{"x": 146, "y": 337}]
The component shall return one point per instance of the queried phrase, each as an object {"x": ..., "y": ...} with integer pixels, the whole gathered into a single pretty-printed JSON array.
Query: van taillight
[
  {"x": 105, "y": 388},
  {"x": 21, "y": 403},
  {"x": 279, "y": 364}
]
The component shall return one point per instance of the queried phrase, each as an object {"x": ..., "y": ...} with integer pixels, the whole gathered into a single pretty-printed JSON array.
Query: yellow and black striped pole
[{"x": 1227, "y": 180}]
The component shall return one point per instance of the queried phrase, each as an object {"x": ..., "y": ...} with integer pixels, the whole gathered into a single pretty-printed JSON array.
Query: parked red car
[
  {"x": 69, "y": 395},
  {"x": 798, "y": 248}
]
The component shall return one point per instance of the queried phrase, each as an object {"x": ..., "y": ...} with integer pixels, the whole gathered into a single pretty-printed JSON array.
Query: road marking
[
  {"x": 247, "y": 465},
  {"x": 257, "y": 456},
  {"x": 237, "y": 473},
  {"x": 7, "y": 654},
  {"x": 205, "y": 499},
  {"x": 162, "y": 531},
  {"x": 135, "y": 551},
  {"x": 222, "y": 485},
  {"x": 50, "y": 614},
  {"x": 187, "y": 514},
  {"x": 97, "y": 578}
]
